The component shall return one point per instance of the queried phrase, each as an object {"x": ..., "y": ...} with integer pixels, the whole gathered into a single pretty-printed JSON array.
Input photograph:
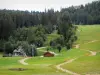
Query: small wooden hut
[{"x": 48, "y": 54}]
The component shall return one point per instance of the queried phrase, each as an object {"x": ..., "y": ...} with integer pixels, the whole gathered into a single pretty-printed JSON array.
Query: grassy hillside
[
  {"x": 95, "y": 46},
  {"x": 87, "y": 64},
  {"x": 88, "y": 33}
]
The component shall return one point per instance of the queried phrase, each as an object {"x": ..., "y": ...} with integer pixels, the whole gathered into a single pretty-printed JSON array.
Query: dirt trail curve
[
  {"x": 68, "y": 71},
  {"x": 65, "y": 70},
  {"x": 92, "y": 52},
  {"x": 22, "y": 61}
]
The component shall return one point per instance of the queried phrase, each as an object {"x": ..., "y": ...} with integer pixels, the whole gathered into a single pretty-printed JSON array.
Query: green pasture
[
  {"x": 85, "y": 65},
  {"x": 88, "y": 33},
  {"x": 95, "y": 46}
]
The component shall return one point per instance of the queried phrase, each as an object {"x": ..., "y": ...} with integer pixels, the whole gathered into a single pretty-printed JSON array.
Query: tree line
[
  {"x": 11, "y": 19},
  {"x": 85, "y": 14}
]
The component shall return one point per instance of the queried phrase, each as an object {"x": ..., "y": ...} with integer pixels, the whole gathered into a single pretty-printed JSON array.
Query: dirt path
[
  {"x": 68, "y": 71},
  {"x": 92, "y": 52},
  {"x": 22, "y": 61},
  {"x": 77, "y": 46},
  {"x": 91, "y": 41},
  {"x": 65, "y": 70}
]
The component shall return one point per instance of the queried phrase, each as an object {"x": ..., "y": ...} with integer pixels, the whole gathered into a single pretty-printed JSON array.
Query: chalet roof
[
  {"x": 47, "y": 53},
  {"x": 16, "y": 50}
]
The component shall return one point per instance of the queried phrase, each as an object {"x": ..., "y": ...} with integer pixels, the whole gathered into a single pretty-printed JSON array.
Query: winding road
[
  {"x": 71, "y": 60},
  {"x": 65, "y": 70}
]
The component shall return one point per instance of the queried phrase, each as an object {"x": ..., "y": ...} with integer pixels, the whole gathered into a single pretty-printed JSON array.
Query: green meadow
[{"x": 87, "y": 64}]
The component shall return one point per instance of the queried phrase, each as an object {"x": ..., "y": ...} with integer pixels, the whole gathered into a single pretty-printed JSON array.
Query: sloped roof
[
  {"x": 16, "y": 50},
  {"x": 48, "y": 53}
]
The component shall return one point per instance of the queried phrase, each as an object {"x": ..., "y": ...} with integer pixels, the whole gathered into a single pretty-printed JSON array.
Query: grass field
[
  {"x": 37, "y": 69},
  {"x": 85, "y": 64},
  {"x": 95, "y": 46},
  {"x": 88, "y": 33},
  {"x": 42, "y": 66}
]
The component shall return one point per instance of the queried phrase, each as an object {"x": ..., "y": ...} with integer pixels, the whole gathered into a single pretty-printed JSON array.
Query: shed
[
  {"x": 19, "y": 52},
  {"x": 48, "y": 54}
]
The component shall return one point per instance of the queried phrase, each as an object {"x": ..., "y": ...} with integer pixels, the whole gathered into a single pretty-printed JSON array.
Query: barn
[{"x": 48, "y": 54}]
